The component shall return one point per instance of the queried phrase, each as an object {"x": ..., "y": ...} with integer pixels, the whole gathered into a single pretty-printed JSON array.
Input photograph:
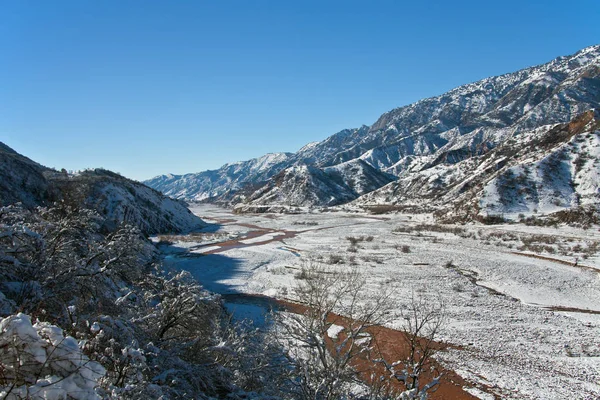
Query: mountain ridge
[
  {"x": 116, "y": 198},
  {"x": 467, "y": 121}
]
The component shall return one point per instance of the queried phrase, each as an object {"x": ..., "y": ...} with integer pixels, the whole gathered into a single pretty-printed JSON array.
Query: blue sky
[{"x": 151, "y": 87}]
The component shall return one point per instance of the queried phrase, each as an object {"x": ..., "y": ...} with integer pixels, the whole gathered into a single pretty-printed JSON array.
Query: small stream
[
  {"x": 242, "y": 306},
  {"x": 250, "y": 307}
]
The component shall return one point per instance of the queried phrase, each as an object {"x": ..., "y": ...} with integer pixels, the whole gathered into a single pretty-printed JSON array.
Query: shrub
[
  {"x": 458, "y": 287},
  {"x": 335, "y": 259}
]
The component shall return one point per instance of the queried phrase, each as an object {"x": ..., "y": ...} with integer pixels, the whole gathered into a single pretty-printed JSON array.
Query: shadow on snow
[{"x": 221, "y": 274}]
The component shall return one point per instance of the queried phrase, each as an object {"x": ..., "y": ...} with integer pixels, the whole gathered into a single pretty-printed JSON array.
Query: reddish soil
[
  {"x": 571, "y": 309},
  {"x": 393, "y": 346},
  {"x": 368, "y": 217},
  {"x": 221, "y": 221},
  {"x": 237, "y": 244},
  {"x": 258, "y": 232}
]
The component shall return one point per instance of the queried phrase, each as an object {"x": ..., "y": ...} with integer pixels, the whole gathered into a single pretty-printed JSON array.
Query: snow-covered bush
[
  {"x": 336, "y": 338},
  {"x": 414, "y": 375},
  {"x": 179, "y": 307},
  {"x": 38, "y": 361},
  {"x": 123, "y": 327}
]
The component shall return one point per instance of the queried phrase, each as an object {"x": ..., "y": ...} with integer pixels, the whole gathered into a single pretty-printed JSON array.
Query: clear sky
[{"x": 151, "y": 87}]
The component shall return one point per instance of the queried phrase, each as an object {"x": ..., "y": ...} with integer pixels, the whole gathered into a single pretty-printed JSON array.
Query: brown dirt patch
[{"x": 393, "y": 346}]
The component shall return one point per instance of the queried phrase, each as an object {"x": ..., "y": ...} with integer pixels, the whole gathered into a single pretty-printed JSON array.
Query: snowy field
[{"x": 528, "y": 327}]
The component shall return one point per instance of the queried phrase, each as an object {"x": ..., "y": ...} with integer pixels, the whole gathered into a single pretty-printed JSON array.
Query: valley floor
[{"x": 523, "y": 303}]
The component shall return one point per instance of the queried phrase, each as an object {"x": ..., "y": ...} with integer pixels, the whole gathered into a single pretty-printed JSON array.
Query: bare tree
[
  {"x": 406, "y": 376},
  {"x": 107, "y": 290},
  {"x": 331, "y": 332},
  {"x": 332, "y": 343}
]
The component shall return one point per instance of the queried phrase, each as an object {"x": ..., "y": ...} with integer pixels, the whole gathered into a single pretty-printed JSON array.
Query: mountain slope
[
  {"x": 306, "y": 185},
  {"x": 116, "y": 198},
  {"x": 431, "y": 135},
  {"x": 21, "y": 179},
  {"x": 120, "y": 199},
  {"x": 210, "y": 184},
  {"x": 551, "y": 93},
  {"x": 359, "y": 176},
  {"x": 545, "y": 170},
  {"x": 302, "y": 185}
]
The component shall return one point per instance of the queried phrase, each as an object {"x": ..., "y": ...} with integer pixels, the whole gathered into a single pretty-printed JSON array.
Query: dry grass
[{"x": 456, "y": 230}]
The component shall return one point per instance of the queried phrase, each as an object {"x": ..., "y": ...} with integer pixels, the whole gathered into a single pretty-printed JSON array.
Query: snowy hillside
[
  {"x": 210, "y": 184},
  {"x": 422, "y": 143},
  {"x": 485, "y": 112},
  {"x": 302, "y": 185},
  {"x": 116, "y": 198},
  {"x": 359, "y": 176},
  {"x": 552, "y": 179},
  {"x": 124, "y": 200},
  {"x": 549, "y": 169},
  {"x": 305, "y": 185},
  {"x": 21, "y": 179}
]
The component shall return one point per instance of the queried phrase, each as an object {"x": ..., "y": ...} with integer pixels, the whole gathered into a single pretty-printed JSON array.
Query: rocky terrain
[
  {"x": 307, "y": 185},
  {"x": 547, "y": 170}
]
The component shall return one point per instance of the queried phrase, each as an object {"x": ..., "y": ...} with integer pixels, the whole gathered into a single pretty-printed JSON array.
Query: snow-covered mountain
[
  {"x": 120, "y": 199},
  {"x": 307, "y": 185},
  {"x": 418, "y": 141},
  {"x": 359, "y": 176},
  {"x": 213, "y": 183},
  {"x": 115, "y": 197},
  {"x": 479, "y": 114},
  {"x": 549, "y": 169}
]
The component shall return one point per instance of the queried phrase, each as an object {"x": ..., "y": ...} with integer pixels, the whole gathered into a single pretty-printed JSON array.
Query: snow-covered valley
[{"x": 522, "y": 303}]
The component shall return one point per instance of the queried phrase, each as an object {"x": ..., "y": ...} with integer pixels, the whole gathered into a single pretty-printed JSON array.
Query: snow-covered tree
[{"x": 153, "y": 332}]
